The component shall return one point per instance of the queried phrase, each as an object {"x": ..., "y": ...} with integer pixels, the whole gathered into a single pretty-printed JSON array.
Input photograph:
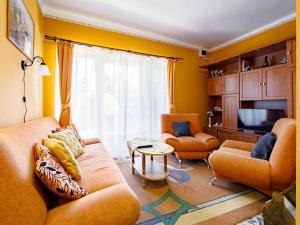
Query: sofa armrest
[
  {"x": 204, "y": 137},
  {"x": 238, "y": 145},
  {"x": 241, "y": 168},
  {"x": 91, "y": 141},
  {"x": 167, "y": 137},
  {"x": 116, "y": 205}
]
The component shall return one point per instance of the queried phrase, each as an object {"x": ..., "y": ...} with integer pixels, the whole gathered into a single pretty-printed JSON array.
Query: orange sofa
[
  {"x": 196, "y": 147},
  {"x": 233, "y": 161},
  {"x": 25, "y": 200}
]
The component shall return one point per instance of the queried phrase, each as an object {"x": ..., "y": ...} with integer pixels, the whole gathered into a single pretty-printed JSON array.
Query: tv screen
[{"x": 261, "y": 120}]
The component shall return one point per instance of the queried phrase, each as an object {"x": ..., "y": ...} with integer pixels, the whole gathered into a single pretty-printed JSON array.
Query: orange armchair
[
  {"x": 233, "y": 161},
  {"x": 196, "y": 147}
]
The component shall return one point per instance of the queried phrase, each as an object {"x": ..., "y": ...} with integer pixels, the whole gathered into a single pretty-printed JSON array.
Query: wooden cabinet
[
  {"x": 291, "y": 92},
  {"x": 264, "y": 84},
  {"x": 230, "y": 84},
  {"x": 230, "y": 105},
  {"x": 214, "y": 86},
  {"x": 211, "y": 131},
  {"x": 224, "y": 135},
  {"x": 251, "y": 85},
  {"x": 291, "y": 52},
  {"x": 274, "y": 82},
  {"x": 247, "y": 137}
]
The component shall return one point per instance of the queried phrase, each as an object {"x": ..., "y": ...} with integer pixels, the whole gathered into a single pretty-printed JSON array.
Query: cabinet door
[
  {"x": 251, "y": 85},
  {"x": 275, "y": 82},
  {"x": 230, "y": 105},
  {"x": 291, "y": 52},
  {"x": 214, "y": 86},
  {"x": 291, "y": 92},
  {"x": 251, "y": 138},
  {"x": 230, "y": 84},
  {"x": 224, "y": 135},
  {"x": 211, "y": 131}
]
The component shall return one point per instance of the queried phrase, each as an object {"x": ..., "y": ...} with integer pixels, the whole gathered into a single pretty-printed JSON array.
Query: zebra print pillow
[{"x": 53, "y": 175}]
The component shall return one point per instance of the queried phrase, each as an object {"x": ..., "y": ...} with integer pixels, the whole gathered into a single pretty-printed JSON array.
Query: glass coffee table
[{"x": 145, "y": 166}]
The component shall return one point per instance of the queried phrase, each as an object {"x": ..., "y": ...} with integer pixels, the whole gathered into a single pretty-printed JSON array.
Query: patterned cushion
[
  {"x": 64, "y": 155},
  {"x": 53, "y": 175},
  {"x": 75, "y": 131},
  {"x": 69, "y": 138}
]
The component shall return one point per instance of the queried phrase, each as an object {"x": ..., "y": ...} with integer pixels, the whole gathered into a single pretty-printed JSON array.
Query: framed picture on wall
[{"x": 20, "y": 27}]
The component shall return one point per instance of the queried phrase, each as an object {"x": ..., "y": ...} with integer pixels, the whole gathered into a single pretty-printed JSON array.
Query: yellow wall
[
  {"x": 298, "y": 110},
  {"x": 11, "y": 86},
  {"x": 269, "y": 37},
  {"x": 190, "y": 82}
]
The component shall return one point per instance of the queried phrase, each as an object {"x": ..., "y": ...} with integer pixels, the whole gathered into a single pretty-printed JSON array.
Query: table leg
[
  {"x": 144, "y": 164},
  {"x": 132, "y": 162},
  {"x": 166, "y": 163},
  {"x": 143, "y": 182}
]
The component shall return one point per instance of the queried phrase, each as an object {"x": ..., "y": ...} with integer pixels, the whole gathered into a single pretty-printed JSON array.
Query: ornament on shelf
[
  {"x": 210, "y": 115},
  {"x": 266, "y": 62},
  {"x": 283, "y": 60}
]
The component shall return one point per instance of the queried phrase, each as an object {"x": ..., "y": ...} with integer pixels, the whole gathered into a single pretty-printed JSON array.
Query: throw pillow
[
  {"x": 68, "y": 137},
  {"x": 182, "y": 128},
  {"x": 64, "y": 156},
  {"x": 53, "y": 175},
  {"x": 264, "y": 147},
  {"x": 75, "y": 131}
]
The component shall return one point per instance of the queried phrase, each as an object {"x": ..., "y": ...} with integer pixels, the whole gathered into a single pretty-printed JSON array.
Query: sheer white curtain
[{"x": 118, "y": 96}]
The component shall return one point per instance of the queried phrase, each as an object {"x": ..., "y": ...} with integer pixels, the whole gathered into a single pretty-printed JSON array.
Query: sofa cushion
[
  {"x": 236, "y": 167},
  {"x": 182, "y": 128},
  {"x": 69, "y": 138},
  {"x": 264, "y": 147},
  {"x": 64, "y": 156},
  {"x": 53, "y": 175},
  {"x": 98, "y": 169},
  {"x": 187, "y": 144}
]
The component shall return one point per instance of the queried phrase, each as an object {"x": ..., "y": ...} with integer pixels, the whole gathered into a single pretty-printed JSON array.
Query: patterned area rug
[
  {"x": 256, "y": 220},
  {"x": 188, "y": 198}
]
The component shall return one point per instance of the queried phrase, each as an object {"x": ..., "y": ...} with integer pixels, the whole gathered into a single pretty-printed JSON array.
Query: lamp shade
[{"x": 44, "y": 70}]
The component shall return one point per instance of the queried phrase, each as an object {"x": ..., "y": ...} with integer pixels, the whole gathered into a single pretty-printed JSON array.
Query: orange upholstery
[
  {"x": 26, "y": 200},
  {"x": 195, "y": 147},
  {"x": 233, "y": 161}
]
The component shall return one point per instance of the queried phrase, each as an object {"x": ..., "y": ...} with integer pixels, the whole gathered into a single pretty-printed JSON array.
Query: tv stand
[
  {"x": 224, "y": 134},
  {"x": 246, "y": 131}
]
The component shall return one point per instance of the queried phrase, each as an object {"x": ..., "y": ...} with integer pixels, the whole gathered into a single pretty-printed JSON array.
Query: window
[{"x": 118, "y": 96}]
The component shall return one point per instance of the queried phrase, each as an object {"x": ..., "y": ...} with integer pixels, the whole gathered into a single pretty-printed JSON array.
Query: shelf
[{"x": 153, "y": 170}]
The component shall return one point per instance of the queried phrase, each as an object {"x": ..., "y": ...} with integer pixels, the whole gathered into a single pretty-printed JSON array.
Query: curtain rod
[{"x": 118, "y": 49}]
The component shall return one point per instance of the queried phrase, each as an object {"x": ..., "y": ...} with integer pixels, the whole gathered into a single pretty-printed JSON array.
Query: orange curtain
[
  {"x": 171, "y": 83},
  {"x": 65, "y": 60}
]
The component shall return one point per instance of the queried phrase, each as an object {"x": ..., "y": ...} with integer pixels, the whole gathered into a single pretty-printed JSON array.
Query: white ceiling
[{"x": 209, "y": 24}]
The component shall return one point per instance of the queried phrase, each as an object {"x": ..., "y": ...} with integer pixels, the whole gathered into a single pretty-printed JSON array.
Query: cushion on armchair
[
  {"x": 182, "y": 128},
  {"x": 264, "y": 147}
]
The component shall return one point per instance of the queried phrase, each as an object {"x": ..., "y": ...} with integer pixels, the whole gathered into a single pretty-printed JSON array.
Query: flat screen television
[{"x": 258, "y": 120}]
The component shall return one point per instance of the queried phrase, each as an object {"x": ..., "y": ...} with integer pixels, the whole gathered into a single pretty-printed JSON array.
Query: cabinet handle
[
  {"x": 264, "y": 83},
  {"x": 288, "y": 53},
  {"x": 259, "y": 83}
]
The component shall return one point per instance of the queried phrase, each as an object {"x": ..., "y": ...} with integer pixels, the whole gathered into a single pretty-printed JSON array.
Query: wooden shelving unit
[{"x": 271, "y": 87}]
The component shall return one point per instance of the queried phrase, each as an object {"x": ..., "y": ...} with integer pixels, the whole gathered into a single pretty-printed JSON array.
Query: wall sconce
[
  {"x": 43, "y": 71},
  {"x": 43, "y": 68}
]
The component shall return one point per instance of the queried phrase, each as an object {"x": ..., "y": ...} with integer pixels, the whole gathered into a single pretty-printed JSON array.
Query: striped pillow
[{"x": 53, "y": 175}]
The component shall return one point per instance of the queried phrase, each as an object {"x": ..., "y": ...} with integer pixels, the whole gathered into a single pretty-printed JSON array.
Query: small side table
[{"x": 145, "y": 166}]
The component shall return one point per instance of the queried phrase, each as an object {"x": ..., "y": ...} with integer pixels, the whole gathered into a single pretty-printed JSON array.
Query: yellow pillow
[
  {"x": 64, "y": 156},
  {"x": 69, "y": 138}
]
